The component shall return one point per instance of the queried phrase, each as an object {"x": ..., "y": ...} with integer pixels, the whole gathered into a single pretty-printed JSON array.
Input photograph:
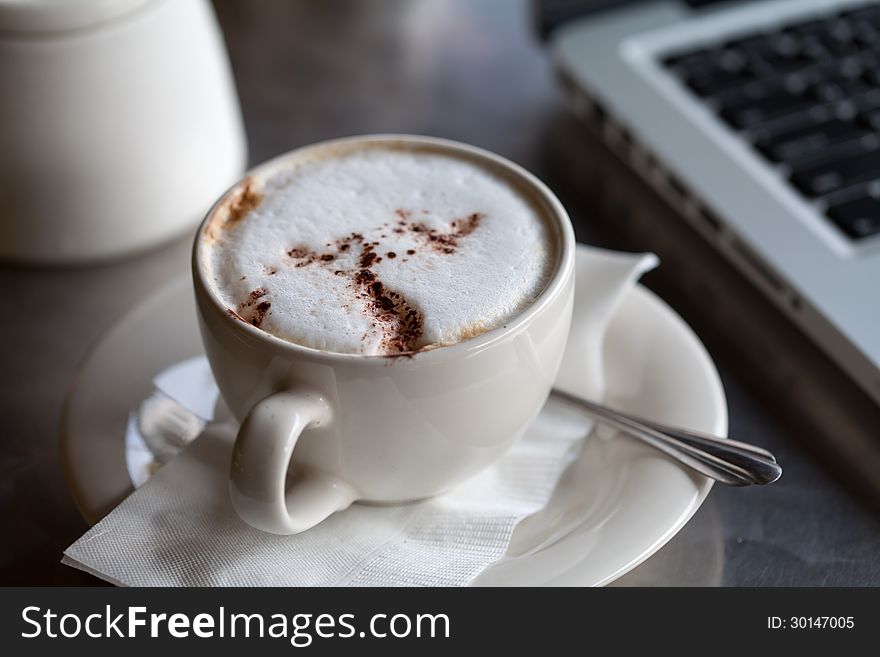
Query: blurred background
[{"x": 486, "y": 72}]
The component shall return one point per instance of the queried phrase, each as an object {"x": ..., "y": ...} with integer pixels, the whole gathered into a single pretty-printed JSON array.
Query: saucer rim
[{"x": 711, "y": 379}]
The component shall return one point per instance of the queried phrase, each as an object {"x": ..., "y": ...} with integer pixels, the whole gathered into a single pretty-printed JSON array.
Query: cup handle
[{"x": 258, "y": 481}]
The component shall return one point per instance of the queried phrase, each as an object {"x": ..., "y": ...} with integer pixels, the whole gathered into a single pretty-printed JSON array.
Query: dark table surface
[{"x": 465, "y": 70}]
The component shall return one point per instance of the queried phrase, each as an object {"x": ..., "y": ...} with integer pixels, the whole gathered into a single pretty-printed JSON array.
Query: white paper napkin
[{"x": 179, "y": 528}]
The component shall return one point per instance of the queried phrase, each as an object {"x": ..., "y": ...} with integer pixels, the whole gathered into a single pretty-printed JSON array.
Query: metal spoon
[{"x": 728, "y": 461}]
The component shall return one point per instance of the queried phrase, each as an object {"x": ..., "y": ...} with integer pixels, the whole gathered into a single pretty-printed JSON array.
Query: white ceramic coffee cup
[{"x": 380, "y": 429}]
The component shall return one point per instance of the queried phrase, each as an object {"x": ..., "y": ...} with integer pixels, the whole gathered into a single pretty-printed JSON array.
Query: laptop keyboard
[{"x": 807, "y": 97}]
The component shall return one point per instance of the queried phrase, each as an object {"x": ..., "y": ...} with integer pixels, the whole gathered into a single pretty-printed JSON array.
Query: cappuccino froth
[{"x": 377, "y": 251}]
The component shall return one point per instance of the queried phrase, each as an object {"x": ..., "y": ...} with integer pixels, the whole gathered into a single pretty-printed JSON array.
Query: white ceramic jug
[{"x": 119, "y": 125}]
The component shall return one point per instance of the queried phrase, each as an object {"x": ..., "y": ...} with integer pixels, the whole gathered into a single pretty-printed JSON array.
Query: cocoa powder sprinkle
[
  {"x": 368, "y": 258},
  {"x": 247, "y": 199},
  {"x": 400, "y": 325},
  {"x": 253, "y": 310}
]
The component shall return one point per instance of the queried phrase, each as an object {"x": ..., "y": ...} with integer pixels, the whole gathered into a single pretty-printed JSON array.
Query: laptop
[{"x": 759, "y": 121}]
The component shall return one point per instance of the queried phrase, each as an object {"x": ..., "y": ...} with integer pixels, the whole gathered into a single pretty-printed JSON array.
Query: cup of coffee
[{"x": 385, "y": 315}]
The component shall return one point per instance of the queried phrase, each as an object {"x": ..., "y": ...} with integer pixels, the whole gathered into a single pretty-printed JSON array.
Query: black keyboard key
[
  {"x": 729, "y": 60},
  {"x": 870, "y": 14},
  {"x": 866, "y": 34},
  {"x": 757, "y": 43},
  {"x": 839, "y": 89},
  {"x": 860, "y": 105},
  {"x": 791, "y": 123},
  {"x": 810, "y": 140},
  {"x": 684, "y": 58},
  {"x": 858, "y": 218},
  {"x": 834, "y": 174},
  {"x": 841, "y": 150},
  {"x": 871, "y": 120},
  {"x": 786, "y": 45},
  {"x": 689, "y": 63},
  {"x": 868, "y": 101},
  {"x": 851, "y": 66},
  {"x": 872, "y": 76},
  {"x": 837, "y": 48},
  {"x": 802, "y": 79},
  {"x": 840, "y": 30},
  {"x": 832, "y": 71},
  {"x": 749, "y": 94},
  {"x": 768, "y": 108},
  {"x": 713, "y": 81},
  {"x": 824, "y": 39},
  {"x": 808, "y": 28},
  {"x": 869, "y": 58},
  {"x": 813, "y": 48},
  {"x": 776, "y": 65},
  {"x": 776, "y": 44}
]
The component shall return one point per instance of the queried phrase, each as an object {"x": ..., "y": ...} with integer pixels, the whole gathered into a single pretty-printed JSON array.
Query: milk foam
[{"x": 379, "y": 251}]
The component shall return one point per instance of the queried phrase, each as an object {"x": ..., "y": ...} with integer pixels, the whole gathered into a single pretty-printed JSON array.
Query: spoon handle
[{"x": 728, "y": 461}]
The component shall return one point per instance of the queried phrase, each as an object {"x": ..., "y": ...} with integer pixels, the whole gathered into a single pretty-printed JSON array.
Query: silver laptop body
[{"x": 619, "y": 68}]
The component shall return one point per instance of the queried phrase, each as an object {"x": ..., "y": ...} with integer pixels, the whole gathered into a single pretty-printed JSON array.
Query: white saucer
[{"x": 615, "y": 506}]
